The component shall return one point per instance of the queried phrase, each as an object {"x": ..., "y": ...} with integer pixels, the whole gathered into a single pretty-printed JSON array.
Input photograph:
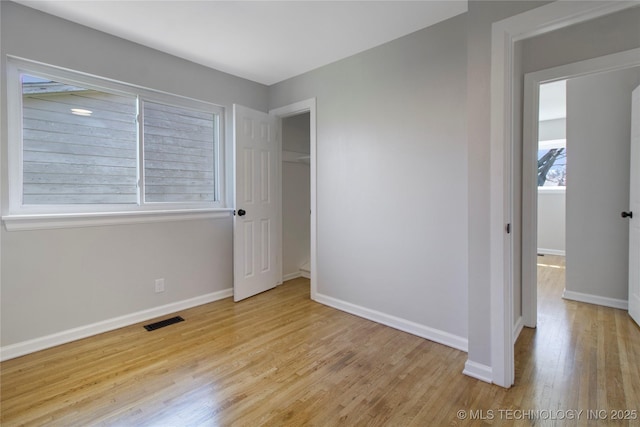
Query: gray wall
[
  {"x": 552, "y": 129},
  {"x": 551, "y": 222},
  {"x": 609, "y": 34},
  {"x": 392, "y": 176},
  {"x": 54, "y": 280},
  {"x": 348, "y": 121},
  {"x": 295, "y": 133},
  {"x": 598, "y": 137}
]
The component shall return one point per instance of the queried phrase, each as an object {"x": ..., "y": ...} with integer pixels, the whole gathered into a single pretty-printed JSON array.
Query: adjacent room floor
[{"x": 280, "y": 359}]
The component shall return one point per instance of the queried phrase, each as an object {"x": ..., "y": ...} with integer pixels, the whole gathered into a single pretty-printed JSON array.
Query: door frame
[
  {"x": 308, "y": 105},
  {"x": 504, "y": 35},
  {"x": 532, "y": 81}
]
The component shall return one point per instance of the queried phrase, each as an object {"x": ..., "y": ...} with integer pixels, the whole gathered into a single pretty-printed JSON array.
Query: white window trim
[
  {"x": 552, "y": 189},
  {"x": 552, "y": 143},
  {"x": 22, "y": 217},
  {"x": 45, "y": 222}
]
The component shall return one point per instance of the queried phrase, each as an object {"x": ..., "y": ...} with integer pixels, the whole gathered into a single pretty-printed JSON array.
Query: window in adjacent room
[{"x": 552, "y": 144}]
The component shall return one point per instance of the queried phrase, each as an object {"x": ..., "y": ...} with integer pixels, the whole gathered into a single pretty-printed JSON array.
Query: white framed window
[{"x": 81, "y": 144}]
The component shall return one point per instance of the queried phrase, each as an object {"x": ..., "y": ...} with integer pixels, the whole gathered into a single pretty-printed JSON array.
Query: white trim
[
  {"x": 596, "y": 299},
  {"x": 42, "y": 222},
  {"x": 635, "y": 302},
  {"x": 404, "y": 325},
  {"x": 557, "y": 190},
  {"x": 502, "y": 359},
  {"x": 41, "y": 343},
  {"x": 478, "y": 371},
  {"x": 517, "y": 328},
  {"x": 505, "y": 33},
  {"x": 552, "y": 143},
  {"x": 295, "y": 275},
  {"x": 112, "y": 85},
  {"x": 544, "y": 251},
  {"x": 291, "y": 276},
  {"x": 529, "y": 242},
  {"x": 1, "y": 173},
  {"x": 291, "y": 110}
]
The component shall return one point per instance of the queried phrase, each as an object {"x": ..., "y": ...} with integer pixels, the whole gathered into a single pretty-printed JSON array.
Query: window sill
[
  {"x": 52, "y": 221},
  {"x": 552, "y": 190}
]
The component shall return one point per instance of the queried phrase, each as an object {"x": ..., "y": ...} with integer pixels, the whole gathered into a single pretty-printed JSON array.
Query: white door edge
[{"x": 634, "y": 207}]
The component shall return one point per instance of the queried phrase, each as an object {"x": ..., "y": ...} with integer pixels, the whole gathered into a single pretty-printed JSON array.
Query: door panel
[
  {"x": 597, "y": 238},
  {"x": 255, "y": 241}
]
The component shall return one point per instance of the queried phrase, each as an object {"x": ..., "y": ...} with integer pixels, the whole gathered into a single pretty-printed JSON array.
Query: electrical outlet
[{"x": 159, "y": 285}]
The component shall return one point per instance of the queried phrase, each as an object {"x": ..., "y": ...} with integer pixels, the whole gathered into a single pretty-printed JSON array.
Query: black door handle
[
  {"x": 242, "y": 212},
  {"x": 627, "y": 214}
]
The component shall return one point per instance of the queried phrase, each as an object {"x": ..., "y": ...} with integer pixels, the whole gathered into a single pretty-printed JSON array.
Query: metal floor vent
[{"x": 163, "y": 323}]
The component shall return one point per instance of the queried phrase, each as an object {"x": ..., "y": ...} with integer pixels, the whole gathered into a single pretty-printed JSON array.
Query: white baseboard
[
  {"x": 30, "y": 346},
  {"x": 295, "y": 275},
  {"x": 291, "y": 276},
  {"x": 551, "y": 252},
  {"x": 596, "y": 299},
  {"x": 517, "y": 328},
  {"x": 404, "y": 325},
  {"x": 478, "y": 371}
]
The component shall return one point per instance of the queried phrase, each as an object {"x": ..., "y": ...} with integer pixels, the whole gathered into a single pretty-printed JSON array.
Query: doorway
[
  {"x": 551, "y": 194},
  {"x": 598, "y": 137},
  {"x": 505, "y": 34},
  {"x": 296, "y": 197},
  {"x": 305, "y": 111}
]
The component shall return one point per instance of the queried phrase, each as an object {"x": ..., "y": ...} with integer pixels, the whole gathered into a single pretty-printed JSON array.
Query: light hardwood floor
[{"x": 280, "y": 359}]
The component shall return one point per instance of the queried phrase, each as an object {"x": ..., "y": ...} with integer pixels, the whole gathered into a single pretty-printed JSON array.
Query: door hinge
[{"x": 508, "y": 228}]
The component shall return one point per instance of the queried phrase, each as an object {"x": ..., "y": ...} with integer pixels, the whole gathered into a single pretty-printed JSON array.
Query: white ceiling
[{"x": 263, "y": 41}]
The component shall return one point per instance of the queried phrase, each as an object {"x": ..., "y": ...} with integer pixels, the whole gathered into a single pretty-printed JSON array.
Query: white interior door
[
  {"x": 634, "y": 205},
  {"x": 255, "y": 235}
]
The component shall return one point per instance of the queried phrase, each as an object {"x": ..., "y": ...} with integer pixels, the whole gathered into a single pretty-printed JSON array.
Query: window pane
[
  {"x": 178, "y": 154},
  {"x": 79, "y": 144},
  {"x": 552, "y": 167}
]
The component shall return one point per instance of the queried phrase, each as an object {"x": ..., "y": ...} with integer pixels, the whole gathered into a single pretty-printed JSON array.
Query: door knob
[
  {"x": 242, "y": 212},
  {"x": 627, "y": 214}
]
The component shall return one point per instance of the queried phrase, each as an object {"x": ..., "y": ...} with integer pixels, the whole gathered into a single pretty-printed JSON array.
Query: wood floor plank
[{"x": 281, "y": 359}]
